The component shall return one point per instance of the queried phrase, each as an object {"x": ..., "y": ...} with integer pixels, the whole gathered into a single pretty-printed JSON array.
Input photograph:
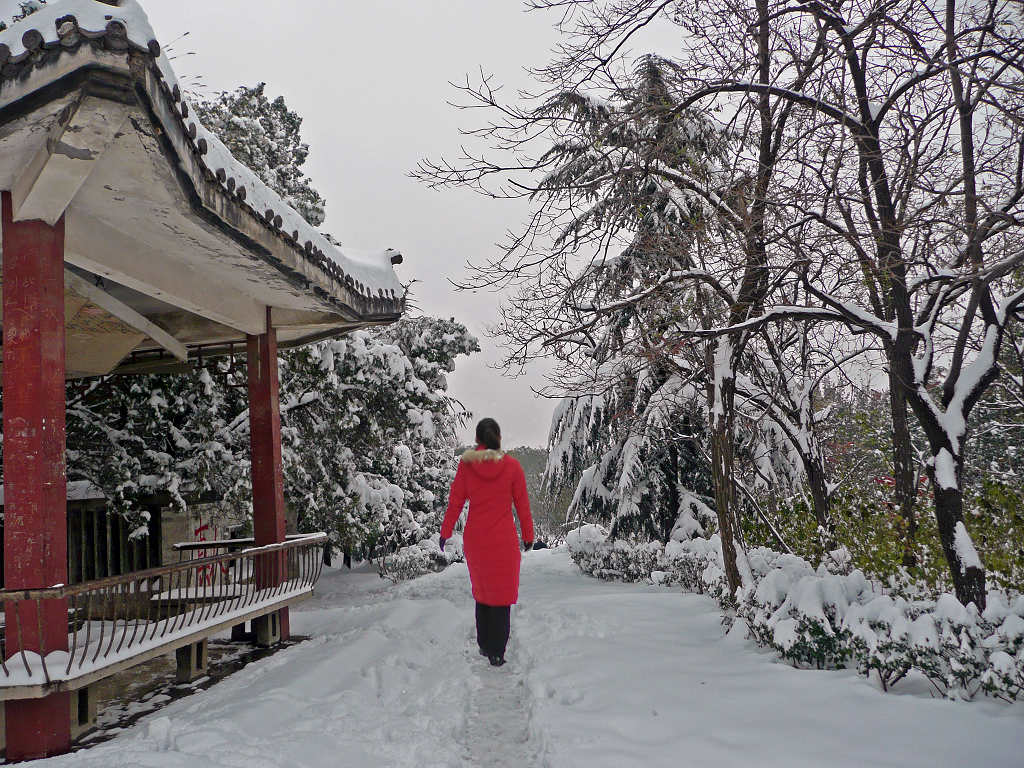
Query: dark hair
[{"x": 488, "y": 434}]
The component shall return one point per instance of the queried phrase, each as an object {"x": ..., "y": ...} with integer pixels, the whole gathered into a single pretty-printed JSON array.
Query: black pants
[{"x": 492, "y": 628}]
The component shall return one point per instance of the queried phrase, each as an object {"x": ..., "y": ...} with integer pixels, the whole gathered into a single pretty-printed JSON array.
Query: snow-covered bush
[
  {"x": 833, "y": 617},
  {"x": 618, "y": 560},
  {"x": 694, "y": 564},
  {"x": 422, "y": 558}
]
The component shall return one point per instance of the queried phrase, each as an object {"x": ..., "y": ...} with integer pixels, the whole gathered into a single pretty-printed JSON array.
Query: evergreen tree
[
  {"x": 370, "y": 431},
  {"x": 265, "y": 136}
]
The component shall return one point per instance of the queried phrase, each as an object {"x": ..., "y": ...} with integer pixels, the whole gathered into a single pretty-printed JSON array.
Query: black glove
[{"x": 527, "y": 546}]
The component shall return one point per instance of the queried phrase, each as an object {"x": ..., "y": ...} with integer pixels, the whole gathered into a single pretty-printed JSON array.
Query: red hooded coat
[{"x": 492, "y": 481}]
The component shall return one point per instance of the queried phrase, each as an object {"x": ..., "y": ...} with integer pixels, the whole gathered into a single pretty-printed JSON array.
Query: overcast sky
[{"x": 370, "y": 80}]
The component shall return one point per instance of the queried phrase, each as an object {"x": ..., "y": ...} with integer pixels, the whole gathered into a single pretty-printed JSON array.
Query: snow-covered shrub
[
  {"x": 613, "y": 560},
  {"x": 835, "y": 620},
  {"x": 798, "y": 611},
  {"x": 828, "y": 620},
  {"x": 421, "y": 558},
  {"x": 959, "y": 651},
  {"x": 619, "y": 560},
  {"x": 832, "y": 616},
  {"x": 695, "y": 564}
]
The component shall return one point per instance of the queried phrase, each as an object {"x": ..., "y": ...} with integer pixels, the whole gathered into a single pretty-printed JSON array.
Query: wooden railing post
[
  {"x": 265, "y": 445},
  {"x": 35, "y": 477}
]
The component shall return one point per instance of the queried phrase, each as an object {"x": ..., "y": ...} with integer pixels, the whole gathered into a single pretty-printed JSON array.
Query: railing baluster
[
  {"x": 319, "y": 564},
  {"x": 88, "y": 629},
  {"x": 41, "y": 638},
  {"x": 115, "y": 593},
  {"x": 21, "y": 639},
  {"x": 180, "y": 615},
  {"x": 152, "y": 605},
  {"x": 103, "y": 625},
  {"x": 207, "y": 603},
  {"x": 128, "y": 602},
  {"x": 165, "y": 605},
  {"x": 72, "y": 619}
]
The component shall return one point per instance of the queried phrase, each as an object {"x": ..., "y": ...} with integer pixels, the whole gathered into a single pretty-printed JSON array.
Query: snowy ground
[{"x": 599, "y": 674}]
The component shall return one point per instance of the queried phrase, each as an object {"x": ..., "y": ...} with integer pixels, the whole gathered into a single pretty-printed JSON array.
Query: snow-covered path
[{"x": 599, "y": 674}]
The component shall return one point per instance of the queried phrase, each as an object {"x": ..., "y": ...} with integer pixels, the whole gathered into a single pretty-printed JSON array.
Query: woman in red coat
[{"x": 492, "y": 481}]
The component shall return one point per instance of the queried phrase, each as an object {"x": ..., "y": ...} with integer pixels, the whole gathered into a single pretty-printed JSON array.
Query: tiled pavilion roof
[{"x": 95, "y": 126}]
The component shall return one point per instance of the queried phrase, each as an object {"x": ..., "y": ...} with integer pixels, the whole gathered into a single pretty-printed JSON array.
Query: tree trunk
[
  {"x": 721, "y": 418},
  {"x": 670, "y": 469},
  {"x": 819, "y": 496},
  {"x": 969, "y": 581},
  {"x": 903, "y": 467}
]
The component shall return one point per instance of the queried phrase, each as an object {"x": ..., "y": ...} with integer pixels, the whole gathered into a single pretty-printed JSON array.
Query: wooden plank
[
  {"x": 105, "y": 250},
  {"x": 124, "y": 313}
]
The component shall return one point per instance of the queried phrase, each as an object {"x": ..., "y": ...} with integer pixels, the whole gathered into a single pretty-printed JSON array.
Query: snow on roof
[
  {"x": 122, "y": 25},
  {"x": 78, "y": 490}
]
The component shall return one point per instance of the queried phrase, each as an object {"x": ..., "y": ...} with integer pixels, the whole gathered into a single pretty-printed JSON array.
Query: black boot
[{"x": 496, "y": 661}]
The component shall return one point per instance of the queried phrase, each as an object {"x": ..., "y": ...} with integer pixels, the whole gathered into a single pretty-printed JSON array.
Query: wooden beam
[
  {"x": 76, "y": 141},
  {"x": 124, "y": 313},
  {"x": 110, "y": 252}
]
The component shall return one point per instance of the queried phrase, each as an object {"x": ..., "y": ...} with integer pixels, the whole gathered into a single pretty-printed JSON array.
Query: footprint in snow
[{"x": 497, "y": 730}]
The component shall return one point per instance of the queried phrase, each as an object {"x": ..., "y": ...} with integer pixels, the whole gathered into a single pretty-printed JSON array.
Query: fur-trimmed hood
[
  {"x": 483, "y": 454},
  {"x": 484, "y": 462}
]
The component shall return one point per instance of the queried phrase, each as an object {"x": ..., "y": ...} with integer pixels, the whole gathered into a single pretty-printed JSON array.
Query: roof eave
[{"x": 132, "y": 76}]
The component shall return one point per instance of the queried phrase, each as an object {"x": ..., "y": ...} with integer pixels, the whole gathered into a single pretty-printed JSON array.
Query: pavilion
[{"x": 134, "y": 242}]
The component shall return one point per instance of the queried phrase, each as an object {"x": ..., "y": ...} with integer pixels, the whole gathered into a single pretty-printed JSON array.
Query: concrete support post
[
  {"x": 265, "y": 445},
  {"x": 83, "y": 711},
  {"x": 192, "y": 661},
  {"x": 35, "y": 476},
  {"x": 267, "y": 630}
]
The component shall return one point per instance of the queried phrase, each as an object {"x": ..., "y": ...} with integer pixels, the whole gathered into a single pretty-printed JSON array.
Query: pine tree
[
  {"x": 370, "y": 431},
  {"x": 265, "y": 136}
]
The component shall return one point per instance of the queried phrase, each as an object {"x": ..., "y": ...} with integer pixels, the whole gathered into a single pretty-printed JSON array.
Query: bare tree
[{"x": 908, "y": 176}]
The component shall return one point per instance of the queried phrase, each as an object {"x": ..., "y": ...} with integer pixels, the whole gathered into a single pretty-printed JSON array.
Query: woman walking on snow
[{"x": 492, "y": 481}]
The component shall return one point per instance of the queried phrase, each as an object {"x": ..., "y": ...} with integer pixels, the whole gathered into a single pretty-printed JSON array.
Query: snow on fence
[
  {"x": 121, "y": 621},
  {"x": 833, "y": 616}
]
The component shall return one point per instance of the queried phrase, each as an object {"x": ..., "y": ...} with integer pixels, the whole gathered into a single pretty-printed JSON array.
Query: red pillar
[
  {"x": 35, "y": 477},
  {"x": 265, "y": 445}
]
